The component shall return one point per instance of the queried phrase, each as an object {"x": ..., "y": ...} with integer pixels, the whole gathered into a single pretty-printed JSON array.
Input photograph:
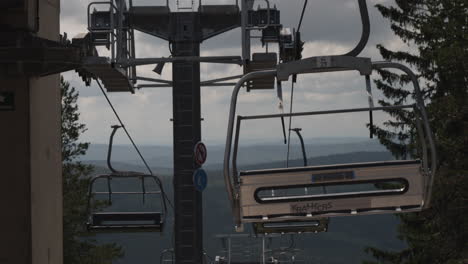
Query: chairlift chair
[
  {"x": 352, "y": 189},
  {"x": 130, "y": 221},
  {"x": 361, "y": 188}
]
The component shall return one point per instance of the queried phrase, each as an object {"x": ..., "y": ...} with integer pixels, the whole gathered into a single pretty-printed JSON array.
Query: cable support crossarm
[
  {"x": 165, "y": 197},
  {"x": 141, "y": 78},
  {"x": 208, "y": 59},
  {"x": 221, "y": 79}
]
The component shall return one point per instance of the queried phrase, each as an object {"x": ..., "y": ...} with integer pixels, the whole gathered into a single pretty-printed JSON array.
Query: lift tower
[
  {"x": 188, "y": 218},
  {"x": 185, "y": 31}
]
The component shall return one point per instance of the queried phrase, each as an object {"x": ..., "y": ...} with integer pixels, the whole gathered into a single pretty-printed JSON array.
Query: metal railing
[{"x": 121, "y": 37}]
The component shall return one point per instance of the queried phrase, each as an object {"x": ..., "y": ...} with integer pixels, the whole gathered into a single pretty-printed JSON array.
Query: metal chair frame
[
  {"x": 316, "y": 65},
  {"x": 124, "y": 221}
]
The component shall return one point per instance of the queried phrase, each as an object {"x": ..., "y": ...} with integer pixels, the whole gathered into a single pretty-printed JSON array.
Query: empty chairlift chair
[
  {"x": 150, "y": 219},
  {"x": 352, "y": 189}
]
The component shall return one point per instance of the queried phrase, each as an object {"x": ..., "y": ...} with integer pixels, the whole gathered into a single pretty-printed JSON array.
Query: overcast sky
[{"x": 330, "y": 27}]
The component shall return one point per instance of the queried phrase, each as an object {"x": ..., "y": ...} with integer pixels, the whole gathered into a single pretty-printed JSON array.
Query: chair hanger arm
[
  {"x": 109, "y": 151},
  {"x": 365, "y": 30}
]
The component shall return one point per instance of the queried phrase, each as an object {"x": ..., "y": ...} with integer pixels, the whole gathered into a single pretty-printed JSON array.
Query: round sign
[
  {"x": 200, "y": 180},
  {"x": 200, "y": 153}
]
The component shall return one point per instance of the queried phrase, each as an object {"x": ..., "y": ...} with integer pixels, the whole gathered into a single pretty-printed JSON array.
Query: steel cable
[{"x": 302, "y": 15}]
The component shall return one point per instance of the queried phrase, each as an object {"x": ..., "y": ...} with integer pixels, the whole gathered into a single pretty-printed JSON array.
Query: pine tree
[
  {"x": 436, "y": 31},
  {"x": 78, "y": 247}
]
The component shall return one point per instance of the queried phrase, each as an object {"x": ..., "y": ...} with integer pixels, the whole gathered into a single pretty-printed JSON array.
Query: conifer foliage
[
  {"x": 78, "y": 247},
  {"x": 436, "y": 32}
]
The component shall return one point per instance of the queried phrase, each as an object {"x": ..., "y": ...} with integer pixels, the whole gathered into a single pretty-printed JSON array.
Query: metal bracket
[{"x": 324, "y": 64}]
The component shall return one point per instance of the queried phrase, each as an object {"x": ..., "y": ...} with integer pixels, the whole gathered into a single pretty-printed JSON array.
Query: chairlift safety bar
[{"x": 339, "y": 111}]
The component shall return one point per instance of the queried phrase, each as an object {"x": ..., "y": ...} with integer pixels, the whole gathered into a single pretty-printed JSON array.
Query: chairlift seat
[
  {"x": 352, "y": 189},
  {"x": 126, "y": 221}
]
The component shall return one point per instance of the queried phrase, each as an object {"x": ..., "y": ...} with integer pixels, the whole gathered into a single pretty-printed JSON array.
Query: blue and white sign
[{"x": 200, "y": 179}]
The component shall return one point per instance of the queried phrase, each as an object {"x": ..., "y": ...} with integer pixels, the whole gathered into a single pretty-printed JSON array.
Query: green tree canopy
[
  {"x": 78, "y": 247},
  {"x": 436, "y": 32}
]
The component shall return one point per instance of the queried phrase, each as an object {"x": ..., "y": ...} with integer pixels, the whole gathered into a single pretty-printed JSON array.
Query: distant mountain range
[{"x": 161, "y": 156}]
